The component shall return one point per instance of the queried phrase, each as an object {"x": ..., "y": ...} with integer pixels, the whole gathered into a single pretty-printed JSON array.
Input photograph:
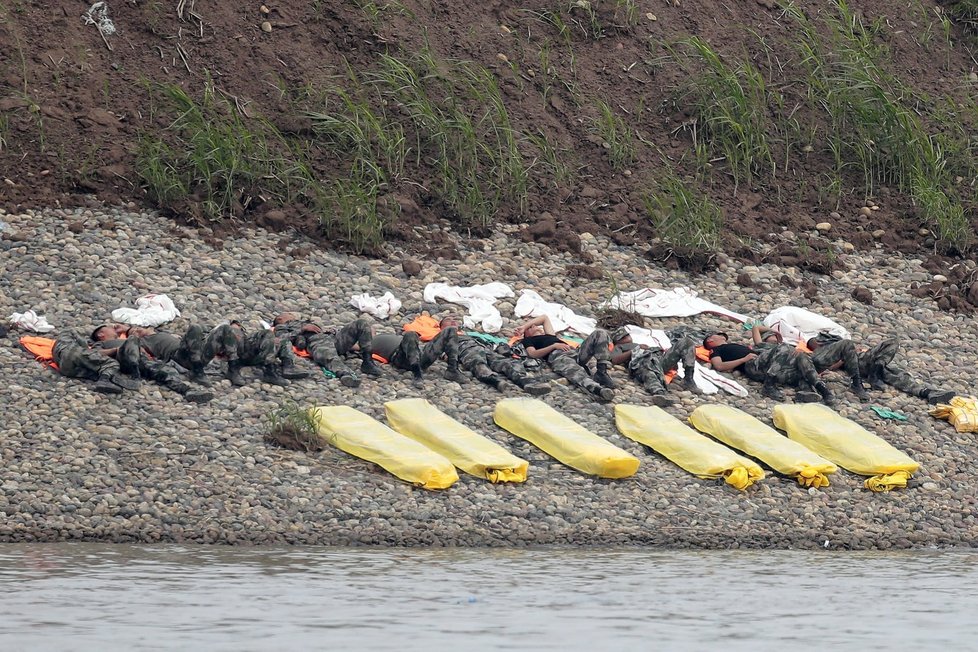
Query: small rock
[
  {"x": 973, "y": 76},
  {"x": 266, "y": 26},
  {"x": 835, "y": 215},
  {"x": 744, "y": 280},
  {"x": 940, "y": 278},
  {"x": 76, "y": 227},
  {"x": 505, "y": 29},
  {"x": 411, "y": 267},
  {"x": 653, "y": 17},
  {"x": 866, "y": 211},
  {"x": 823, "y": 227},
  {"x": 502, "y": 57},
  {"x": 863, "y": 295},
  {"x": 929, "y": 486},
  {"x": 879, "y": 233},
  {"x": 264, "y": 10}
]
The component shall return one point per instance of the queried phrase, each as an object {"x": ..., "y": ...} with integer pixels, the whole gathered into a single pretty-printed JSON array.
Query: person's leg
[
  {"x": 901, "y": 380},
  {"x": 190, "y": 351},
  {"x": 322, "y": 350},
  {"x": 76, "y": 360},
  {"x": 444, "y": 343},
  {"x": 167, "y": 375},
  {"x": 845, "y": 351},
  {"x": 514, "y": 370},
  {"x": 407, "y": 355},
  {"x": 683, "y": 350},
  {"x": 286, "y": 359},
  {"x": 597, "y": 346},
  {"x": 646, "y": 367},
  {"x": 875, "y": 360},
  {"x": 565, "y": 364},
  {"x": 257, "y": 349},
  {"x": 473, "y": 358},
  {"x": 358, "y": 335}
]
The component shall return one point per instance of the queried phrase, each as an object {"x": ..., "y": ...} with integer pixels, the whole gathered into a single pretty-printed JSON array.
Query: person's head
[
  {"x": 813, "y": 343},
  {"x": 450, "y": 321},
  {"x": 621, "y": 336},
  {"x": 710, "y": 342},
  {"x": 103, "y": 333},
  {"x": 533, "y": 331},
  {"x": 284, "y": 318},
  {"x": 773, "y": 337}
]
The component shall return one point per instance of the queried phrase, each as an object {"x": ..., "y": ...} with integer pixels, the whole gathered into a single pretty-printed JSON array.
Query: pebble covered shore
[{"x": 147, "y": 466}]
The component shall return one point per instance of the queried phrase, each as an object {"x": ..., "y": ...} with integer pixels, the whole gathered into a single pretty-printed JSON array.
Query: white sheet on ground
[
  {"x": 531, "y": 304},
  {"x": 31, "y": 321},
  {"x": 708, "y": 380},
  {"x": 380, "y": 307},
  {"x": 150, "y": 310},
  {"x": 479, "y": 299},
  {"x": 678, "y": 302},
  {"x": 797, "y": 324}
]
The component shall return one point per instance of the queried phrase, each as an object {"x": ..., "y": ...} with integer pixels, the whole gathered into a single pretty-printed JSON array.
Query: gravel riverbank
[{"x": 147, "y": 466}]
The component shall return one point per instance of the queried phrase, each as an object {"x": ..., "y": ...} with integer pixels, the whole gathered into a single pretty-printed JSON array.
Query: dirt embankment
[{"x": 568, "y": 118}]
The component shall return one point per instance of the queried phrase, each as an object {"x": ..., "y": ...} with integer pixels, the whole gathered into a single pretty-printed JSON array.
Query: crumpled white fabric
[
  {"x": 31, "y": 321},
  {"x": 678, "y": 302},
  {"x": 380, "y": 307},
  {"x": 707, "y": 379},
  {"x": 479, "y": 299},
  {"x": 150, "y": 310},
  {"x": 531, "y": 304},
  {"x": 797, "y": 324}
]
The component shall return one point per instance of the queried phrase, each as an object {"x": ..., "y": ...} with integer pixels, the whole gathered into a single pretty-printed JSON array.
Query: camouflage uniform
[
  {"x": 410, "y": 355},
  {"x": 76, "y": 360},
  {"x": 193, "y": 351},
  {"x": 834, "y": 350},
  {"x": 874, "y": 365},
  {"x": 328, "y": 350},
  {"x": 488, "y": 366},
  {"x": 572, "y": 364},
  {"x": 648, "y": 366},
  {"x": 134, "y": 362}
]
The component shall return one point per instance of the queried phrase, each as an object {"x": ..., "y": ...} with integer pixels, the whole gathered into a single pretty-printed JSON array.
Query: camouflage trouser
[
  {"x": 411, "y": 356},
  {"x": 781, "y": 364},
  {"x": 649, "y": 366},
  {"x": 842, "y": 350},
  {"x": 572, "y": 364},
  {"x": 76, "y": 360},
  {"x": 196, "y": 349},
  {"x": 329, "y": 351},
  {"x": 487, "y": 365},
  {"x": 258, "y": 349},
  {"x": 134, "y": 362},
  {"x": 875, "y": 364}
]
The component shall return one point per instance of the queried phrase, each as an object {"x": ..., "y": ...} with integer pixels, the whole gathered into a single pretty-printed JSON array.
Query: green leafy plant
[{"x": 294, "y": 427}]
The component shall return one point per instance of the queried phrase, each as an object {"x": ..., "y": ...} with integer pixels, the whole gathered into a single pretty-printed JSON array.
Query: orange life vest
[
  {"x": 41, "y": 347},
  {"x": 425, "y": 326}
]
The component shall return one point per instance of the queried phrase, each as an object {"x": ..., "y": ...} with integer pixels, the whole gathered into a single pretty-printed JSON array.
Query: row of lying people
[{"x": 118, "y": 355}]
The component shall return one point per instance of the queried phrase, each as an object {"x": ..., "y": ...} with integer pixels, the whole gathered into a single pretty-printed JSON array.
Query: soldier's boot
[
  {"x": 859, "y": 390},
  {"x": 689, "y": 384},
  {"x": 197, "y": 376},
  {"x": 418, "y": 380},
  {"x": 606, "y": 394},
  {"x": 935, "y": 396},
  {"x": 602, "y": 378},
  {"x": 189, "y": 393},
  {"x": 827, "y": 396},
  {"x": 106, "y": 386},
  {"x": 370, "y": 367},
  {"x": 495, "y": 382},
  {"x": 454, "y": 375},
  {"x": 350, "y": 380},
  {"x": 123, "y": 381},
  {"x": 661, "y": 400},
  {"x": 292, "y": 372},
  {"x": 534, "y": 389},
  {"x": 875, "y": 379},
  {"x": 805, "y": 396},
  {"x": 772, "y": 391},
  {"x": 271, "y": 376},
  {"x": 234, "y": 374}
]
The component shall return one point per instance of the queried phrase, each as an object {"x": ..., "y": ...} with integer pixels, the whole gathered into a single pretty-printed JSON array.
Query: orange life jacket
[
  {"x": 425, "y": 326},
  {"x": 702, "y": 354},
  {"x": 41, "y": 347}
]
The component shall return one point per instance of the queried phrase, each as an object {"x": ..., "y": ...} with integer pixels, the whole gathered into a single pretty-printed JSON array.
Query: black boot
[
  {"x": 772, "y": 391},
  {"x": 534, "y": 389},
  {"x": 827, "y": 396},
  {"x": 602, "y": 378},
  {"x": 370, "y": 367},
  {"x": 189, "y": 393},
  {"x": 123, "y": 381},
  {"x": 859, "y": 390},
  {"x": 875, "y": 378},
  {"x": 455, "y": 376},
  {"x": 935, "y": 396},
  {"x": 105, "y": 386},
  {"x": 271, "y": 376},
  {"x": 234, "y": 374},
  {"x": 350, "y": 380},
  {"x": 661, "y": 400},
  {"x": 292, "y": 372},
  {"x": 197, "y": 376}
]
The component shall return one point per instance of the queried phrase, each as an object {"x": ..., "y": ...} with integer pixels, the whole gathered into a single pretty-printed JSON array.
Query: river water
[{"x": 116, "y": 597}]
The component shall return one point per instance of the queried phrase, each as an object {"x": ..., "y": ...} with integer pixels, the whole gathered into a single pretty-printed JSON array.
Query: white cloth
[
  {"x": 797, "y": 324},
  {"x": 706, "y": 379},
  {"x": 31, "y": 321},
  {"x": 531, "y": 304},
  {"x": 380, "y": 307},
  {"x": 679, "y": 302},
  {"x": 150, "y": 310},
  {"x": 479, "y": 299}
]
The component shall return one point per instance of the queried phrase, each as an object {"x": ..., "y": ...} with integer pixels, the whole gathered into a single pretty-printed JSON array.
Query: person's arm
[
  {"x": 719, "y": 365},
  {"x": 621, "y": 357},
  {"x": 757, "y": 333},
  {"x": 542, "y": 320},
  {"x": 534, "y": 352},
  {"x": 833, "y": 367}
]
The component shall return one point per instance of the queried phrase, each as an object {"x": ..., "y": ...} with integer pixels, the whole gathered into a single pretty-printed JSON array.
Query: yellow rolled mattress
[
  {"x": 740, "y": 430},
  {"x": 363, "y": 436},
  {"x": 683, "y": 446},
  {"x": 423, "y": 422},
  {"x": 846, "y": 443},
  {"x": 563, "y": 439}
]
